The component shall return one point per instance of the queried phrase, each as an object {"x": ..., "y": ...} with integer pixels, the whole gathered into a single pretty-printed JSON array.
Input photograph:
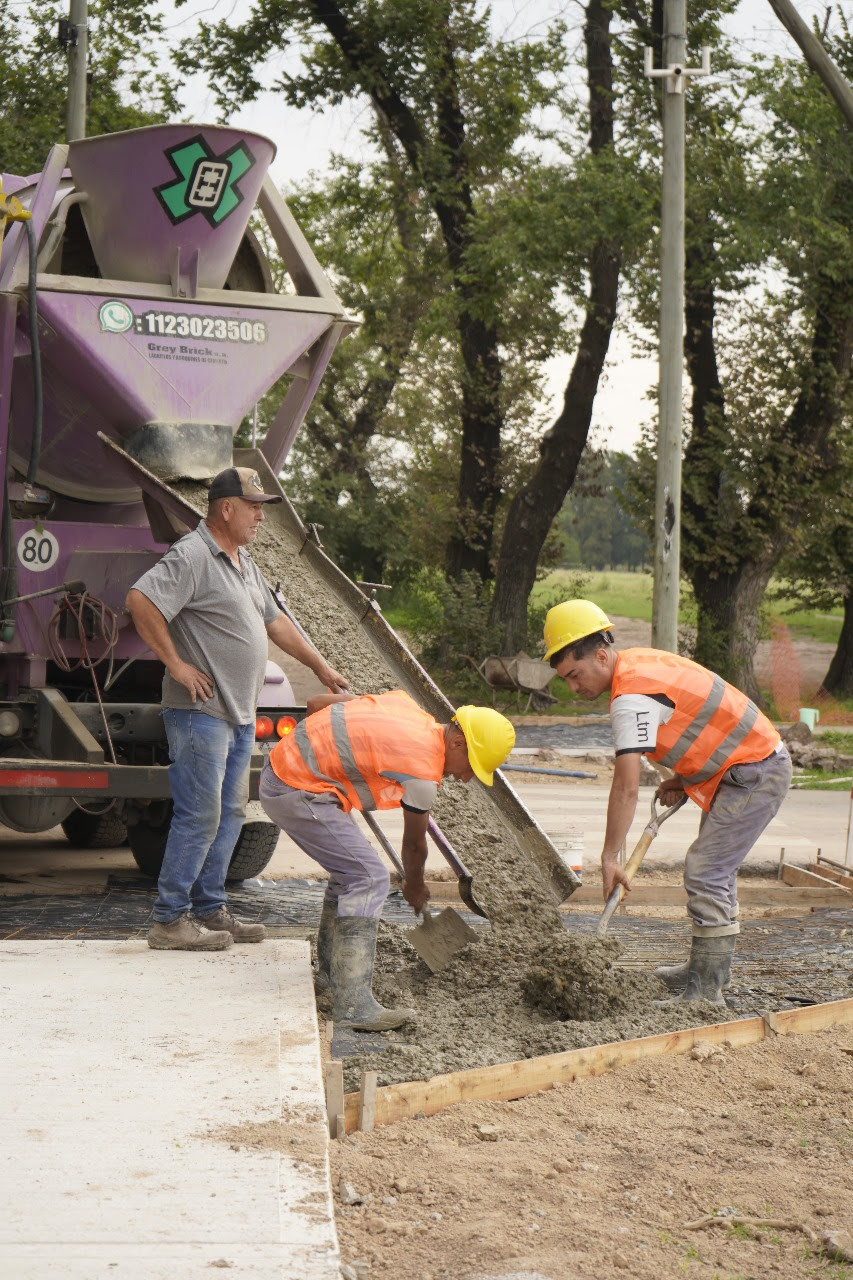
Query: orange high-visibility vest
[
  {"x": 713, "y": 726},
  {"x": 357, "y": 749}
]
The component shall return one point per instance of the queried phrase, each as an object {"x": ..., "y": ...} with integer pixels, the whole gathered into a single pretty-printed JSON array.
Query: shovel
[
  {"x": 649, "y": 832},
  {"x": 442, "y": 933}
]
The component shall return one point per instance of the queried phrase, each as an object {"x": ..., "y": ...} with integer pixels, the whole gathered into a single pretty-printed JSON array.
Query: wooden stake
[
  {"x": 367, "y": 1101},
  {"x": 334, "y": 1094}
]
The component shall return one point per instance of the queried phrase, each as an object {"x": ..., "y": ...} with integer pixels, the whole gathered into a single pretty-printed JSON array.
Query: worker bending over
[
  {"x": 373, "y": 752},
  {"x": 723, "y": 752}
]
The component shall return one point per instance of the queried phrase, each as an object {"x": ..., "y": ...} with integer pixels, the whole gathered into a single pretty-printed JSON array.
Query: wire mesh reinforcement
[{"x": 781, "y": 963}]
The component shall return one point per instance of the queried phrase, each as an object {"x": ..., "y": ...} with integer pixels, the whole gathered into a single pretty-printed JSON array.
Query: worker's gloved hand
[
  {"x": 416, "y": 894},
  {"x": 670, "y": 791},
  {"x": 611, "y": 875}
]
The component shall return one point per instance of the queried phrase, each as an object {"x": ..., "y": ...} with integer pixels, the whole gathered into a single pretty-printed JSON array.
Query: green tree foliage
[
  {"x": 769, "y": 333},
  {"x": 596, "y": 528},
  {"x": 125, "y": 89},
  {"x": 456, "y": 103}
]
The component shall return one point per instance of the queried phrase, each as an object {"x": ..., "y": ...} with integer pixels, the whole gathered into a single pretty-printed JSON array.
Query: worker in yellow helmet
[
  {"x": 724, "y": 754},
  {"x": 374, "y": 752}
]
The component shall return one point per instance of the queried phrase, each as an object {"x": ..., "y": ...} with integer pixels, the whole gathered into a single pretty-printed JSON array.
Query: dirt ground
[{"x": 604, "y": 1177}]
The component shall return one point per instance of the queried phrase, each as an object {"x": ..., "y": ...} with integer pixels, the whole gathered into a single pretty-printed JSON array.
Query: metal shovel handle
[
  {"x": 385, "y": 842},
  {"x": 463, "y": 875},
  {"x": 649, "y": 832}
]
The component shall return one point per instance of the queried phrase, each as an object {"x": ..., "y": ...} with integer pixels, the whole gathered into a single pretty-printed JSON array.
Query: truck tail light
[
  {"x": 285, "y": 725},
  {"x": 263, "y": 727}
]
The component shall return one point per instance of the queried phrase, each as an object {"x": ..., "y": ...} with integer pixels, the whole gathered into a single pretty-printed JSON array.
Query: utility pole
[
  {"x": 674, "y": 75},
  {"x": 75, "y": 35}
]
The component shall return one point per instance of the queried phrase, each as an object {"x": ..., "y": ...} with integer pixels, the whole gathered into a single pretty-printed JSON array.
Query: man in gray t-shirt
[{"x": 205, "y": 611}]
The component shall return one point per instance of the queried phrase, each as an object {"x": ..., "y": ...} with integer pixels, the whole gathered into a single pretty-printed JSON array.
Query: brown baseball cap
[{"x": 239, "y": 482}]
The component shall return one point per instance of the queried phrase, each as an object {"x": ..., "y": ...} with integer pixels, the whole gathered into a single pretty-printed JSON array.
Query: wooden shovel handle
[
  {"x": 649, "y": 833},
  {"x": 630, "y": 868}
]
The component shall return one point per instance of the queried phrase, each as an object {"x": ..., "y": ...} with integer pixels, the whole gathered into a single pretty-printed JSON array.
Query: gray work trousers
[
  {"x": 747, "y": 799},
  {"x": 358, "y": 880}
]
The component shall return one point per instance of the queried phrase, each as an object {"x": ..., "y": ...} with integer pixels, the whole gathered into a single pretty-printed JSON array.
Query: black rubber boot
[
  {"x": 353, "y": 955},
  {"x": 708, "y": 970},
  {"x": 673, "y": 976},
  {"x": 325, "y": 940}
]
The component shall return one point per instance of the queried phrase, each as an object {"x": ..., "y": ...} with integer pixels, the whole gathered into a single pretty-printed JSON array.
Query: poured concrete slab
[{"x": 163, "y": 1114}]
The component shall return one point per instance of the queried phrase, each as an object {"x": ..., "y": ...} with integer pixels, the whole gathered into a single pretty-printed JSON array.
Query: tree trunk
[
  {"x": 534, "y": 507},
  {"x": 728, "y": 622},
  {"x": 838, "y": 681},
  {"x": 443, "y": 168},
  {"x": 720, "y": 530}
]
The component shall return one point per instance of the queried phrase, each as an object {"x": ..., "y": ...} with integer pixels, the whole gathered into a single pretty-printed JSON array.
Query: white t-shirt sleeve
[
  {"x": 419, "y": 794},
  {"x": 635, "y": 718}
]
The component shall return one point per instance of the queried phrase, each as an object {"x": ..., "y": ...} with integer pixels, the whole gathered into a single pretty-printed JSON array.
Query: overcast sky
[{"x": 305, "y": 141}]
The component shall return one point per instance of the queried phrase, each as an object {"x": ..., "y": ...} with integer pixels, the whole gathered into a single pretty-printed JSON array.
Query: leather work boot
[
  {"x": 708, "y": 970},
  {"x": 353, "y": 955},
  {"x": 239, "y": 930},
  {"x": 187, "y": 934},
  {"x": 325, "y": 940}
]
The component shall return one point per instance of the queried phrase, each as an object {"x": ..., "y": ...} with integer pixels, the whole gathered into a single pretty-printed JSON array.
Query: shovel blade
[{"x": 439, "y": 938}]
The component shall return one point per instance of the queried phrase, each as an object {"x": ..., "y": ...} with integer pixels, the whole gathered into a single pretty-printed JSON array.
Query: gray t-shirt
[{"x": 217, "y": 617}]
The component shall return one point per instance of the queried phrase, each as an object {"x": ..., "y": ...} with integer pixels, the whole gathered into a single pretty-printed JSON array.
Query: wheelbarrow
[{"x": 521, "y": 674}]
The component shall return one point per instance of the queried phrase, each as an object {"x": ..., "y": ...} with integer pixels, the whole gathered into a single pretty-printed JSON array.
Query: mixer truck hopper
[{"x": 139, "y": 325}]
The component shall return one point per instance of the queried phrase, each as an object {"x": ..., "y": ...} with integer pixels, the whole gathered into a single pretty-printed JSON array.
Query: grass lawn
[{"x": 630, "y": 595}]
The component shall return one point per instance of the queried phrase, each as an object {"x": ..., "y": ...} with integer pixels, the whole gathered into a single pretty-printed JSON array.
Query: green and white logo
[
  {"x": 115, "y": 317},
  {"x": 206, "y": 183}
]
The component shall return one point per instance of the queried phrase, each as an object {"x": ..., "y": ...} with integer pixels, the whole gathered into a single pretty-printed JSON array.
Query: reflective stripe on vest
[
  {"x": 713, "y": 725},
  {"x": 363, "y": 750},
  {"x": 702, "y": 720},
  {"x": 301, "y": 740},
  {"x": 345, "y": 751}
]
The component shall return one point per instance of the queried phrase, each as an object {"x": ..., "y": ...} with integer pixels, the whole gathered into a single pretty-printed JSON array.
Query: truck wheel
[
  {"x": 253, "y": 850},
  {"x": 255, "y": 846},
  {"x": 94, "y": 830},
  {"x": 147, "y": 838}
]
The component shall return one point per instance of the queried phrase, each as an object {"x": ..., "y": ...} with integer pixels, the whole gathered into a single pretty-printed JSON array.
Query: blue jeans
[{"x": 209, "y": 780}]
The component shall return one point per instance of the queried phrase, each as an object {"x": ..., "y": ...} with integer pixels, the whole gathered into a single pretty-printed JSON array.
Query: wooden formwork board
[{"x": 508, "y": 1080}]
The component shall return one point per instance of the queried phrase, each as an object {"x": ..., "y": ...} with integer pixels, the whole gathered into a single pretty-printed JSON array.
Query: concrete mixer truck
[{"x": 139, "y": 324}]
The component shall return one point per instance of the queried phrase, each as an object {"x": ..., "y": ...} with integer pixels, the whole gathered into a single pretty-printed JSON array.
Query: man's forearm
[
  {"x": 622, "y": 804},
  {"x": 151, "y": 628},
  {"x": 413, "y": 856},
  {"x": 620, "y": 814},
  {"x": 290, "y": 640}
]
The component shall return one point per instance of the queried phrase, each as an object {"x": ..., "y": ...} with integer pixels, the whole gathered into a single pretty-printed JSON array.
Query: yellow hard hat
[
  {"x": 489, "y": 737},
  {"x": 571, "y": 621}
]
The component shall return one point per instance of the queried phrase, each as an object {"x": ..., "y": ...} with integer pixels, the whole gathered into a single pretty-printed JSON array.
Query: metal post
[
  {"x": 671, "y": 338},
  {"x": 667, "y": 560},
  {"x": 78, "y": 67}
]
